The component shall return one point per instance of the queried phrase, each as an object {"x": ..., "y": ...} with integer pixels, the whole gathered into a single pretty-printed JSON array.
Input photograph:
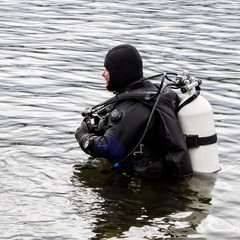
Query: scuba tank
[{"x": 196, "y": 119}]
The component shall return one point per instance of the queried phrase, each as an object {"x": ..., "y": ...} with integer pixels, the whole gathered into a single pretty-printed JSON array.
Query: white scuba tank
[{"x": 196, "y": 118}]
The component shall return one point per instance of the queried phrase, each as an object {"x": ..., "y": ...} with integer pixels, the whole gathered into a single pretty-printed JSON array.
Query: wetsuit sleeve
[
  {"x": 125, "y": 126},
  {"x": 97, "y": 142}
]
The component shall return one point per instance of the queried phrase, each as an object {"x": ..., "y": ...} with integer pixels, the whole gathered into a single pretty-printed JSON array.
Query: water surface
[{"x": 51, "y": 60}]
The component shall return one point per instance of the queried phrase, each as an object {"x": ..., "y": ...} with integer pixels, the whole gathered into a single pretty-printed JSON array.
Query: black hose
[
  {"x": 117, "y": 97},
  {"x": 118, "y": 164}
]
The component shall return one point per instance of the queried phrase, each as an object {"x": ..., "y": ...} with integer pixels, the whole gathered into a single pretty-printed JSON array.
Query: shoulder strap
[{"x": 144, "y": 95}]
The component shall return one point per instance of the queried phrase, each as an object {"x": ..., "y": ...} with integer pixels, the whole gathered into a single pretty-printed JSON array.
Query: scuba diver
[{"x": 137, "y": 130}]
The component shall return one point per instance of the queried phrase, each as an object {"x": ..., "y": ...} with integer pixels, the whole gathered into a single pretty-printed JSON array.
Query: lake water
[{"x": 51, "y": 61}]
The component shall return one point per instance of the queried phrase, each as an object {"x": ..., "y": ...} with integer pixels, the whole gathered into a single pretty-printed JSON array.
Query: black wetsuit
[
  {"x": 120, "y": 129},
  {"x": 163, "y": 150}
]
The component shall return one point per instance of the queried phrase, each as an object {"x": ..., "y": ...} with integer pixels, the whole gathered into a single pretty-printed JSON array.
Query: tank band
[{"x": 194, "y": 141}]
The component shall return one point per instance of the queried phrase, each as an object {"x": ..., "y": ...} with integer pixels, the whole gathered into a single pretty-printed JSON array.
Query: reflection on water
[
  {"x": 166, "y": 210},
  {"x": 51, "y": 61}
]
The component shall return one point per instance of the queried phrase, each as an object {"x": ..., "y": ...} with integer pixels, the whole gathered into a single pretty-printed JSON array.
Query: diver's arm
[
  {"x": 105, "y": 146},
  {"x": 124, "y": 127},
  {"x": 100, "y": 142}
]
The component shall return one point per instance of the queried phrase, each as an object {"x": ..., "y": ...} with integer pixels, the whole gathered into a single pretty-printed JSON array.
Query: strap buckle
[{"x": 192, "y": 141}]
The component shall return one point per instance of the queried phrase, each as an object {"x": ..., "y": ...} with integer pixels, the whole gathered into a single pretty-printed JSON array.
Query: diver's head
[{"x": 124, "y": 65}]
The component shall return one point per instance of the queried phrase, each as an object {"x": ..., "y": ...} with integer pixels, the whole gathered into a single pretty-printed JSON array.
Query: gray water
[{"x": 51, "y": 59}]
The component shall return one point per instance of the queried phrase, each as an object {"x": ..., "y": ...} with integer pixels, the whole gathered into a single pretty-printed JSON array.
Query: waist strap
[{"x": 194, "y": 141}]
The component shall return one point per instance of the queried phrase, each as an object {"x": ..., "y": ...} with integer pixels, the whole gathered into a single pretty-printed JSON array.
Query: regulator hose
[{"x": 118, "y": 164}]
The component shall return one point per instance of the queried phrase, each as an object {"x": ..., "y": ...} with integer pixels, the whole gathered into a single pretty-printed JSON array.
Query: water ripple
[{"x": 52, "y": 55}]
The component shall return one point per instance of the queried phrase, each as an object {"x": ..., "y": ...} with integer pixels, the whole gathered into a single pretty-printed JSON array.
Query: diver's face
[{"x": 106, "y": 75}]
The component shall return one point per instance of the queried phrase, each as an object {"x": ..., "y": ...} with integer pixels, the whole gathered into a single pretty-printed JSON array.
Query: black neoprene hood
[{"x": 124, "y": 64}]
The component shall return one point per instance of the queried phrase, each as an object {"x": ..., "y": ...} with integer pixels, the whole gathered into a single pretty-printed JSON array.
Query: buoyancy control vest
[{"x": 174, "y": 152}]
